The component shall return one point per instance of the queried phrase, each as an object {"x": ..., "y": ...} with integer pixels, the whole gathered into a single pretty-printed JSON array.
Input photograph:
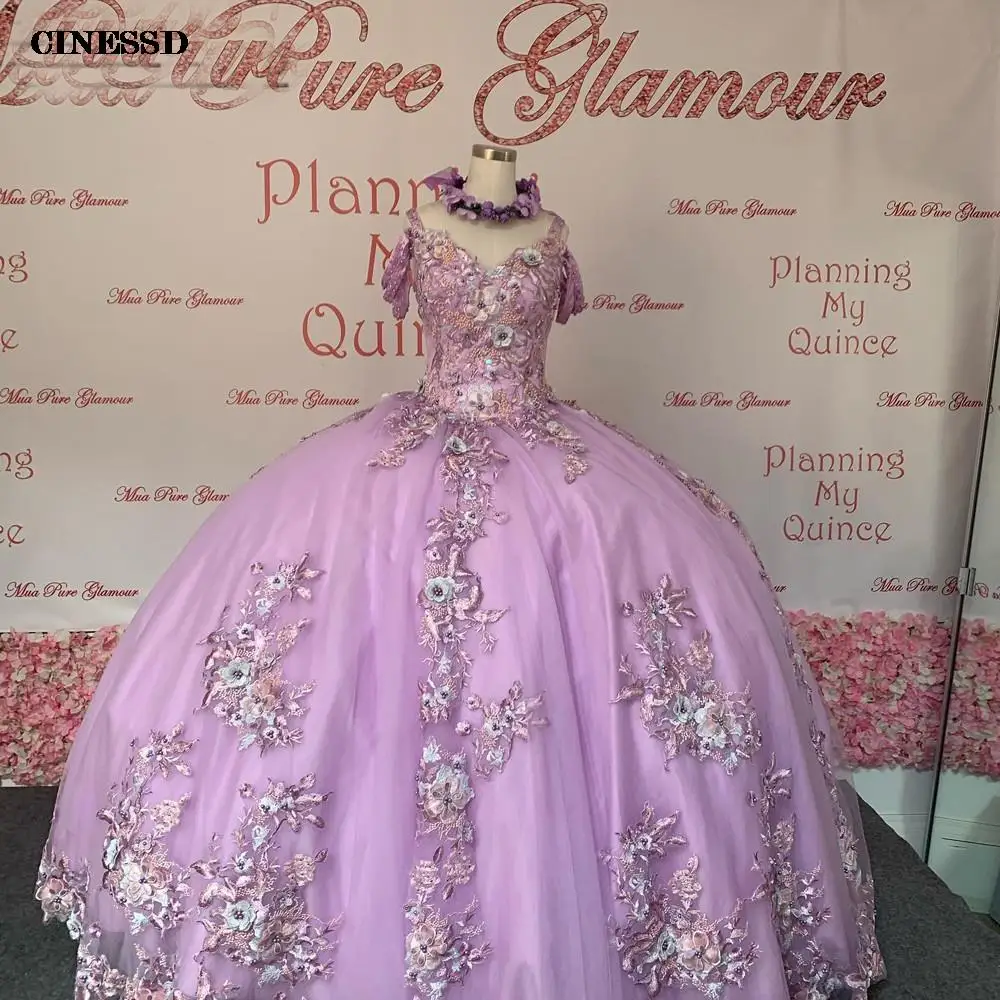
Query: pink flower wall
[{"x": 882, "y": 678}]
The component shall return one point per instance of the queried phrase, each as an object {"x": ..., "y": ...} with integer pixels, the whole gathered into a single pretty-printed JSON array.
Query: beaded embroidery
[
  {"x": 251, "y": 905},
  {"x": 445, "y": 944},
  {"x": 488, "y": 330},
  {"x": 243, "y": 679},
  {"x": 442, "y": 947},
  {"x": 486, "y": 368},
  {"x": 680, "y": 703},
  {"x": 796, "y": 900},
  {"x": 505, "y": 721},
  {"x": 665, "y": 941},
  {"x": 138, "y": 871}
]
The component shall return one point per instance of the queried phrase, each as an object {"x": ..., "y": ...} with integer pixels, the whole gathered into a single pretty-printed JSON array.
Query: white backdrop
[{"x": 821, "y": 284}]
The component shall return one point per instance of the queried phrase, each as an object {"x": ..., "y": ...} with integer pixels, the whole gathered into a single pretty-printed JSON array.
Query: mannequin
[{"x": 492, "y": 175}]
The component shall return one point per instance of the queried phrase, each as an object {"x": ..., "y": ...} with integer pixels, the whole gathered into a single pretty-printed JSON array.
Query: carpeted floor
[
  {"x": 935, "y": 949},
  {"x": 36, "y": 962}
]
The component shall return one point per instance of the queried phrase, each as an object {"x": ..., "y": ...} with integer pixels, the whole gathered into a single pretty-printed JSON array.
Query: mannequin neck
[{"x": 492, "y": 180}]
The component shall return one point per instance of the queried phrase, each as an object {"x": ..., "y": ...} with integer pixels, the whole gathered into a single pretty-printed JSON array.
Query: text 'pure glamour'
[{"x": 574, "y": 64}]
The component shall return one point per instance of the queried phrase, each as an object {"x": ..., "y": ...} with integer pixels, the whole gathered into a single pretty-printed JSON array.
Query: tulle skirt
[{"x": 435, "y": 707}]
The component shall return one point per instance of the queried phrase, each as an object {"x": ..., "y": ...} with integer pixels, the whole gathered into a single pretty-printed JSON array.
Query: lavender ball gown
[{"x": 500, "y": 705}]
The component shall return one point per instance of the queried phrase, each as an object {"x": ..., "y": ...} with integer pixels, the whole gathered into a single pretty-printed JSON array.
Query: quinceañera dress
[{"x": 469, "y": 695}]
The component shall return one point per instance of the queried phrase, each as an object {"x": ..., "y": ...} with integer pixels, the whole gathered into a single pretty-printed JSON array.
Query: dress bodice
[{"x": 487, "y": 328}]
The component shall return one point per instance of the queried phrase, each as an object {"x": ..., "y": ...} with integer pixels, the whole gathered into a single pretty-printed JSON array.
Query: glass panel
[
  {"x": 889, "y": 702},
  {"x": 964, "y": 838}
]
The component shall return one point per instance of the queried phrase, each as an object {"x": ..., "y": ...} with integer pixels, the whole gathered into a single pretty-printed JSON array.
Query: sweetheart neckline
[{"x": 549, "y": 236}]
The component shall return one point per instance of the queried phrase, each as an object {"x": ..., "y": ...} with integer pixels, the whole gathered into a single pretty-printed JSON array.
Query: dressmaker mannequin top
[{"x": 492, "y": 177}]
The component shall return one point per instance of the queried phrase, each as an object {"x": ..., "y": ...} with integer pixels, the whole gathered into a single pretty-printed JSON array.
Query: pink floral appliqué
[
  {"x": 870, "y": 964},
  {"x": 545, "y": 427},
  {"x": 680, "y": 703},
  {"x": 796, "y": 899},
  {"x": 244, "y": 683},
  {"x": 452, "y": 595},
  {"x": 488, "y": 329},
  {"x": 664, "y": 941},
  {"x": 445, "y": 942},
  {"x": 715, "y": 505},
  {"x": 512, "y": 718},
  {"x": 410, "y": 423},
  {"x": 253, "y": 908},
  {"x": 154, "y": 978},
  {"x": 251, "y": 905},
  {"x": 442, "y": 948},
  {"x": 62, "y": 891},
  {"x": 138, "y": 871}
]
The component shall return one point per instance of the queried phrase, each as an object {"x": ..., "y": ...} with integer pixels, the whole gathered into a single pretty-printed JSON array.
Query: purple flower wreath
[{"x": 457, "y": 201}]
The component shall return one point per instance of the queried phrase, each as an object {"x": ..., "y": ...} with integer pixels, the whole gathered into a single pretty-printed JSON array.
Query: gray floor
[{"x": 935, "y": 949}]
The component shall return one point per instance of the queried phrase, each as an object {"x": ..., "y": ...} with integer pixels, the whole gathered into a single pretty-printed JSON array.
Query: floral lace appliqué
[
  {"x": 871, "y": 965},
  {"x": 665, "y": 941},
  {"x": 410, "y": 423},
  {"x": 140, "y": 877},
  {"x": 796, "y": 899},
  {"x": 445, "y": 941},
  {"x": 545, "y": 427},
  {"x": 505, "y": 721},
  {"x": 97, "y": 979},
  {"x": 443, "y": 944},
  {"x": 717, "y": 506},
  {"x": 488, "y": 329},
  {"x": 253, "y": 908},
  {"x": 680, "y": 703},
  {"x": 62, "y": 891},
  {"x": 443, "y": 796},
  {"x": 442, "y": 947},
  {"x": 138, "y": 871},
  {"x": 243, "y": 672},
  {"x": 452, "y": 595}
]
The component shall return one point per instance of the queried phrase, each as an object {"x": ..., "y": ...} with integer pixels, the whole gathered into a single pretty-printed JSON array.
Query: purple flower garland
[{"x": 457, "y": 201}]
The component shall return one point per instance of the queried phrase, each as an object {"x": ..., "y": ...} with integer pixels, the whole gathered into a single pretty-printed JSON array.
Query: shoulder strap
[
  {"x": 557, "y": 229},
  {"x": 413, "y": 218}
]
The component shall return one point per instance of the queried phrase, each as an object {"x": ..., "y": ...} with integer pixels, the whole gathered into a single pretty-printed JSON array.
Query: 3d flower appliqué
[
  {"x": 681, "y": 703},
  {"x": 505, "y": 721},
  {"x": 664, "y": 941},
  {"x": 502, "y": 335},
  {"x": 244, "y": 682}
]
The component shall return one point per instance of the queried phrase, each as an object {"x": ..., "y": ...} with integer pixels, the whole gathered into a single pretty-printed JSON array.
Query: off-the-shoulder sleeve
[
  {"x": 571, "y": 299},
  {"x": 398, "y": 276}
]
